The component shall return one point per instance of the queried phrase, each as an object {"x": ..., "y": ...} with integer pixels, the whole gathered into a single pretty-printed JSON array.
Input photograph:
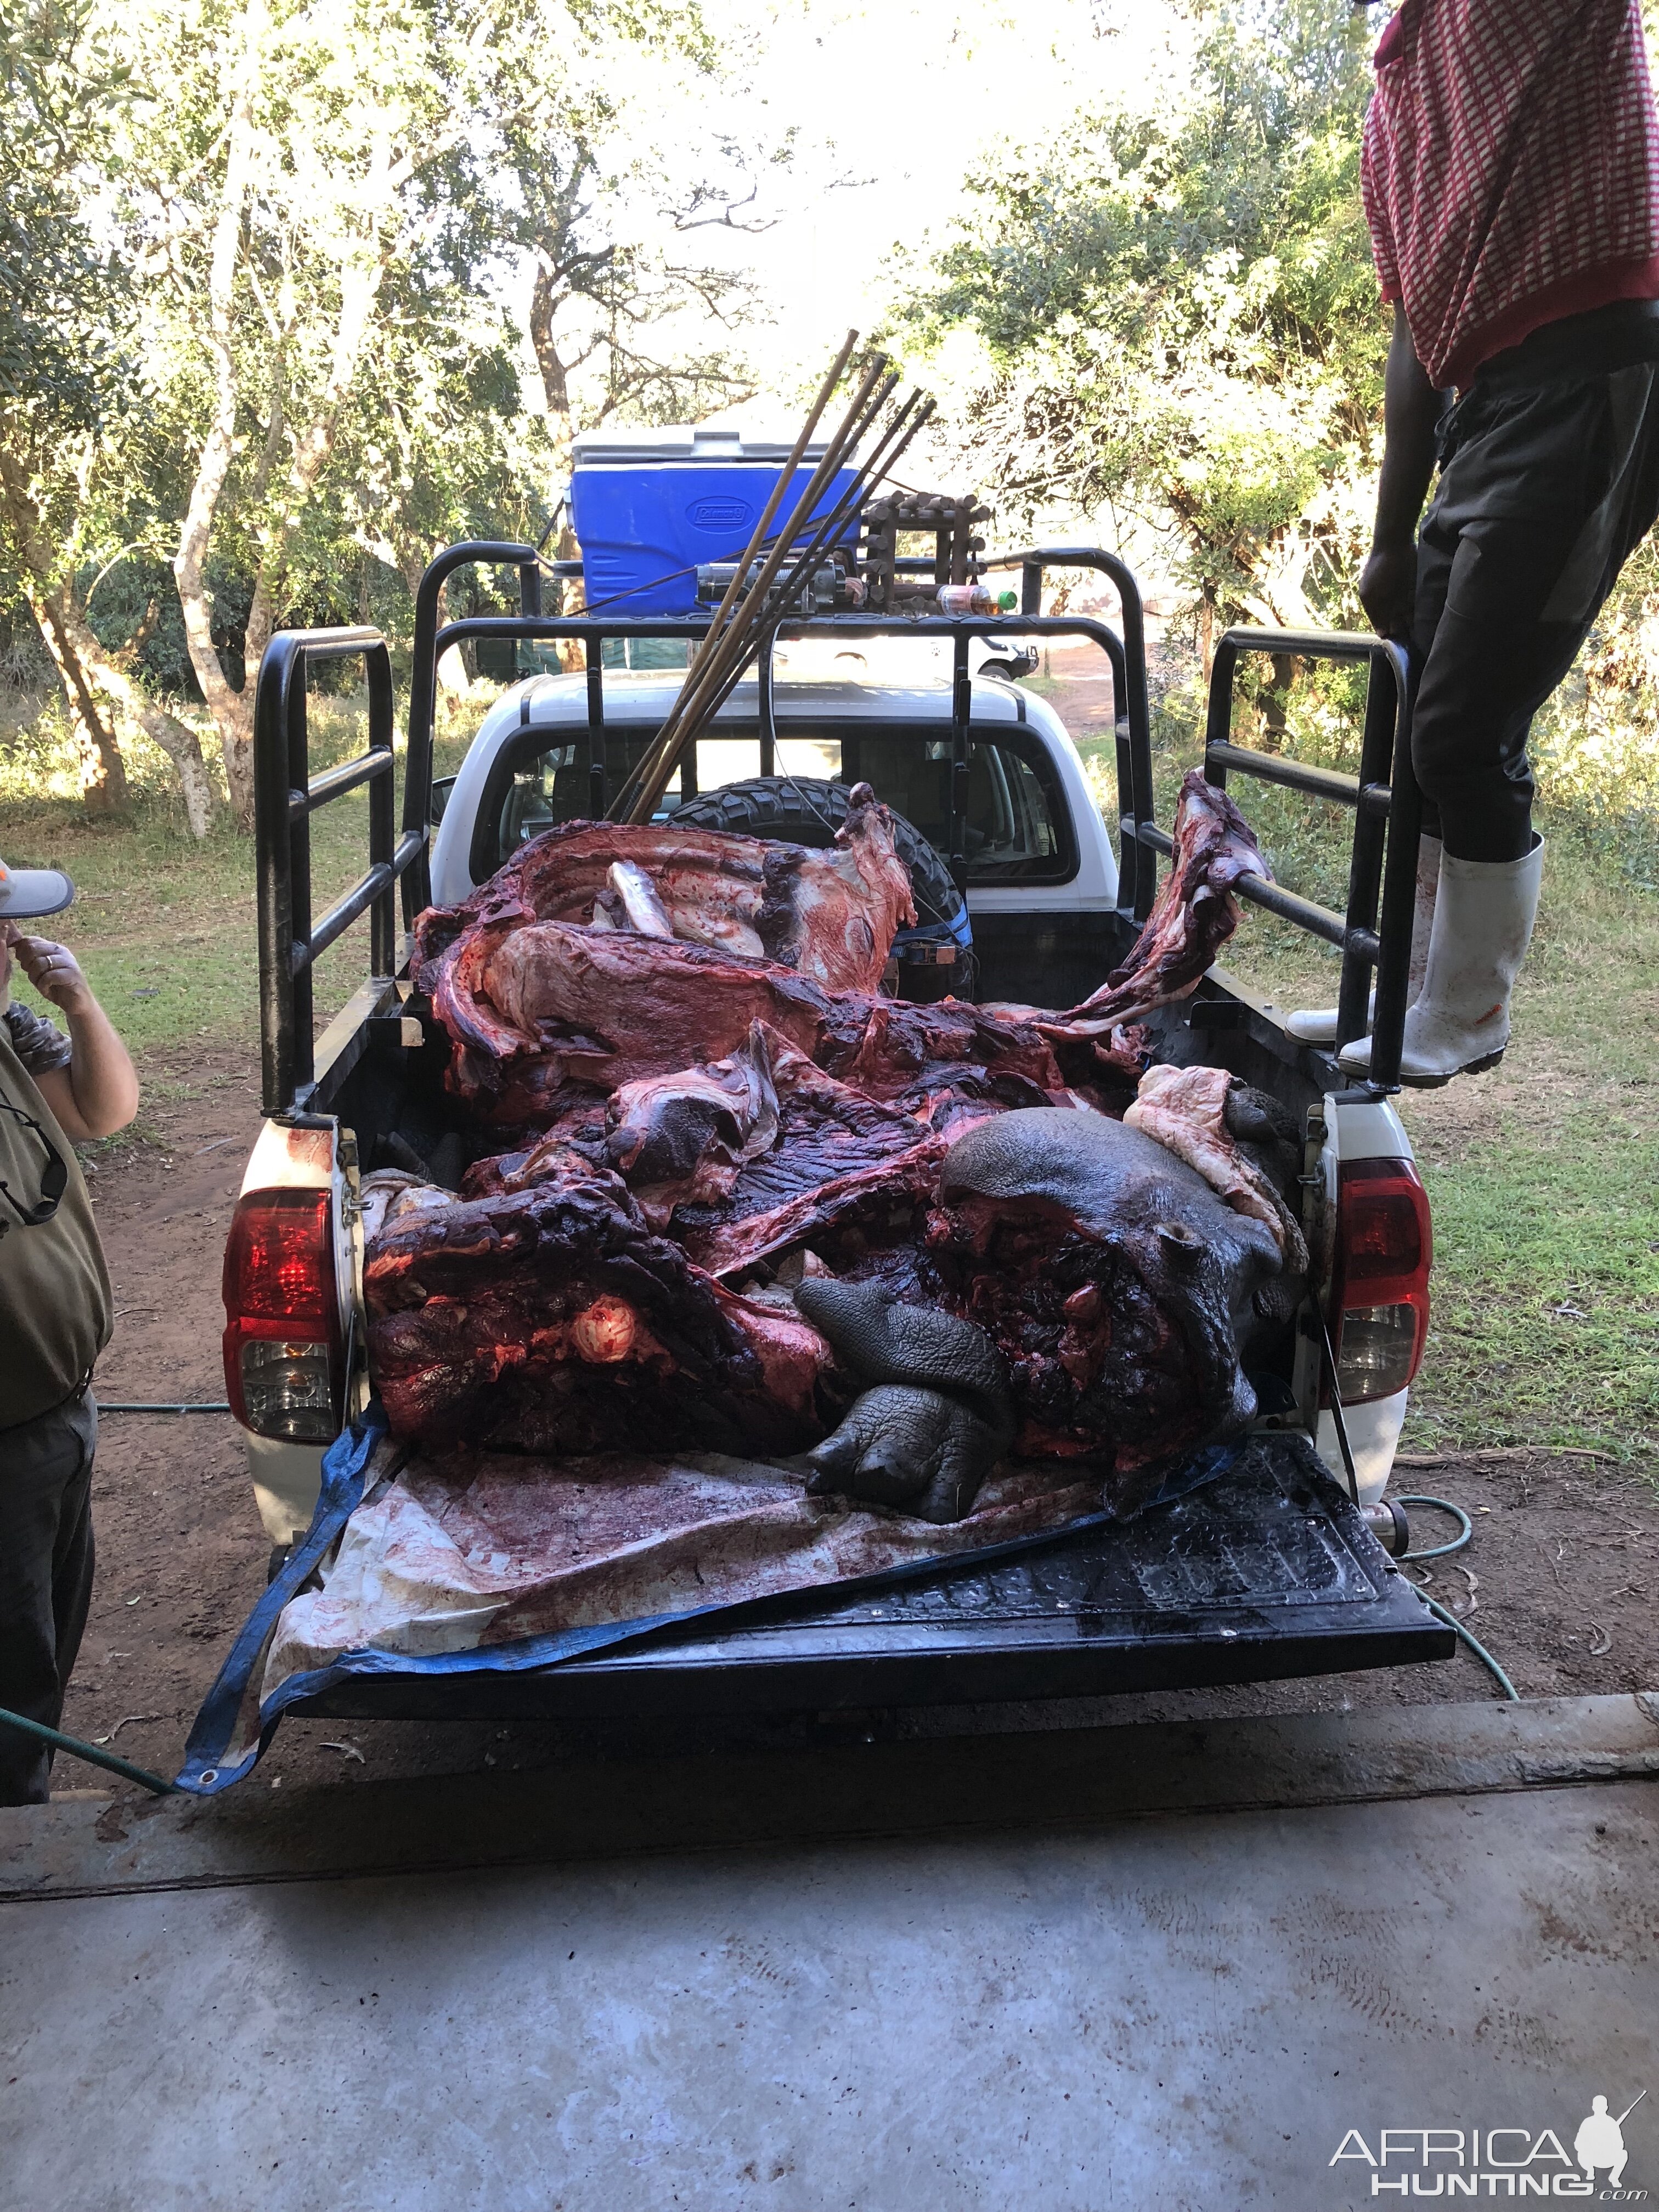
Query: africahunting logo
[{"x": 1502, "y": 2162}]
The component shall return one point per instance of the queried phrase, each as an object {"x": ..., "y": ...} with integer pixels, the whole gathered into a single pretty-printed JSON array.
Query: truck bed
[{"x": 1268, "y": 1573}]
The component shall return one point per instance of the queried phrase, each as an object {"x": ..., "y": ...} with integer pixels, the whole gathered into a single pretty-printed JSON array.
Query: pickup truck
[{"x": 1282, "y": 1569}]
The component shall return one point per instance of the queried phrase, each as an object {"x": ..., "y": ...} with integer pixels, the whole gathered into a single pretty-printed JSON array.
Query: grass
[
  {"x": 165, "y": 928},
  {"x": 1542, "y": 1176},
  {"x": 1546, "y": 1323}
]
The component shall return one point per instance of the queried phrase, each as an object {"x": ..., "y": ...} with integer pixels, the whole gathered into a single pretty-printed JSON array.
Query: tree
[
  {"x": 327, "y": 210},
  {"x": 65, "y": 323},
  {"x": 555, "y": 174},
  {"x": 1175, "y": 312},
  {"x": 267, "y": 199}
]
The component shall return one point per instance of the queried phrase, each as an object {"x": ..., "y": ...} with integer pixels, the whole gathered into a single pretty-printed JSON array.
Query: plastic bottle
[{"x": 975, "y": 599}]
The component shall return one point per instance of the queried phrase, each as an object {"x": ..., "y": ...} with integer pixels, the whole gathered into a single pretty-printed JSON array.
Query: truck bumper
[
  {"x": 286, "y": 1480},
  {"x": 1373, "y": 1438}
]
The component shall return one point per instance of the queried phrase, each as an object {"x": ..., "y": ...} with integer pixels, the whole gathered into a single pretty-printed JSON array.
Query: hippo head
[{"x": 1119, "y": 1287}]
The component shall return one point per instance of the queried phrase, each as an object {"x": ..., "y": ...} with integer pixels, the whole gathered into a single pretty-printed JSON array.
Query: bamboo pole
[
  {"x": 715, "y": 661},
  {"x": 870, "y": 474},
  {"x": 786, "y": 481},
  {"x": 645, "y": 786}
]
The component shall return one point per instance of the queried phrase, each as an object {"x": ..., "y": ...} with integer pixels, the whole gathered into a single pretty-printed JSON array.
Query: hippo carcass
[
  {"x": 1120, "y": 1297},
  {"x": 1052, "y": 1281}
]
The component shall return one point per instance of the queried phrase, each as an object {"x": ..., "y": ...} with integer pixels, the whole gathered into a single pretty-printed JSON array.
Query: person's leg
[
  {"x": 1437, "y": 545},
  {"x": 45, "y": 1559},
  {"x": 1536, "y": 514},
  {"x": 73, "y": 1559},
  {"x": 1537, "y": 511}
]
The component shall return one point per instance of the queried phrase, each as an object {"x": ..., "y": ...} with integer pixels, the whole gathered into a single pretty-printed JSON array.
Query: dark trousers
[
  {"x": 1545, "y": 487},
  {"x": 45, "y": 1579}
]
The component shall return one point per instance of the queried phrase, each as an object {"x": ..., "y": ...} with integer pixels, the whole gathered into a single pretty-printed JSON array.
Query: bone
[{"x": 644, "y": 910}]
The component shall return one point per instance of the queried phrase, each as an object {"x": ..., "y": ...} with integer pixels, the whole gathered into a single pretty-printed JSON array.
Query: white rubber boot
[
  {"x": 1459, "y": 1022},
  {"x": 1317, "y": 1024}
]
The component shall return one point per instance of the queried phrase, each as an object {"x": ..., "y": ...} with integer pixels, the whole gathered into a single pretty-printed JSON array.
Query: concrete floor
[{"x": 1184, "y": 2009}]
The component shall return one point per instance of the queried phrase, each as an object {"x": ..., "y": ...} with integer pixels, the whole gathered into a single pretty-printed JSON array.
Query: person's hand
[
  {"x": 1387, "y": 584},
  {"x": 54, "y": 971}
]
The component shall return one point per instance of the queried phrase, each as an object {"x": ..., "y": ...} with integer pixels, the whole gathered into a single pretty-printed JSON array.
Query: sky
[{"x": 891, "y": 102}]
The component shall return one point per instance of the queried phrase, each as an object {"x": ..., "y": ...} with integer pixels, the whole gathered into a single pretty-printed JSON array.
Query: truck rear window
[{"x": 1017, "y": 829}]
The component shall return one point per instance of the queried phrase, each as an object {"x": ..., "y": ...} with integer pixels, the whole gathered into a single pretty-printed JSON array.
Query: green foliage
[
  {"x": 62, "y": 293},
  {"x": 1176, "y": 312},
  {"x": 322, "y": 208}
]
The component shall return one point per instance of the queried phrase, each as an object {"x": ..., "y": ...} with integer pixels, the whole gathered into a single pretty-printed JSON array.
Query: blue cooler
[{"x": 649, "y": 506}]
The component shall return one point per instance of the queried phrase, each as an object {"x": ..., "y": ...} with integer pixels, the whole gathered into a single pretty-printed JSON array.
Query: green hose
[
  {"x": 89, "y": 1751},
  {"x": 1465, "y": 1530},
  {"x": 1465, "y": 1526},
  {"x": 117, "y": 1406},
  {"x": 1444, "y": 1612}
]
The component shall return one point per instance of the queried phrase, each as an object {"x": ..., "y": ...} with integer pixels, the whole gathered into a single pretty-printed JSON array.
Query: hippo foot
[
  {"x": 936, "y": 1415},
  {"x": 915, "y": 1449}
]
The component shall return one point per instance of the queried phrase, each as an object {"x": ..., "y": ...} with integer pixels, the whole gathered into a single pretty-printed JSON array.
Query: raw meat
[
  {"x": 830, "y": 916},
  {"x": 531, "y": 1009},
  {"x": 684, "y": 1137},
  {"x": 551, "y": 1317},
  {"x": 1193, "y": 916},
  {"x": 1119, "y": 1287},
  {"x": 734, "y": 1142},
  {"x": 1196, "y": 1114}
]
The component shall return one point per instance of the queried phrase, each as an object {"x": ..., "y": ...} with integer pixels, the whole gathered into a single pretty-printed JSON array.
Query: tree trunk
[
  {"x": 176, "y": 738},
  {"x": 232, "y": 711},
  {"x": 91, "y": 678},
  {"x": 573, "y": 598},
  {"x": 100, "y": 770},
  {"x": 546, "y": 301},
  {"x": 102, "y": 773},
  {"x": 360, "y": 285},
  {"x": 1206, "y": 630}
]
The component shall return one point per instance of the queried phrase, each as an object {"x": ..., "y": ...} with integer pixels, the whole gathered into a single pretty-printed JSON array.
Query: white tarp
[{"x": 488, "y": 1547}]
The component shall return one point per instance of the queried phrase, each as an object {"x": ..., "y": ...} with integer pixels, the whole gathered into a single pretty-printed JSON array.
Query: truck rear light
[
  {"x": 284, "y": 1353},
  {"x": 1380, "y": 1280}
]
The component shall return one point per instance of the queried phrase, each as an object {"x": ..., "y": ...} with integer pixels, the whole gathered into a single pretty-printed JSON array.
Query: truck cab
[{"x": 1039, "y": 875}]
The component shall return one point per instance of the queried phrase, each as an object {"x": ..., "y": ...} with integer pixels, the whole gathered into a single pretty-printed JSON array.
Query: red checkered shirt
[{"x": 1510, "y": 170}]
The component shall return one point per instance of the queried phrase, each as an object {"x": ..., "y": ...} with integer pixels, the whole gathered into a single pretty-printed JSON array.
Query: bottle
[{"x": 975, "y": 599}]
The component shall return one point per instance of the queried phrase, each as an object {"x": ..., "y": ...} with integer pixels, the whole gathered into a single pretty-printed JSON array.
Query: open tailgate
[{"x": 1268, "y": 1573}]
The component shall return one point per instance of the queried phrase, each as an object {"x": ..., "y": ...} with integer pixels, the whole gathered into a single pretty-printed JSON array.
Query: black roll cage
[{"x": 1374, "y": 934}]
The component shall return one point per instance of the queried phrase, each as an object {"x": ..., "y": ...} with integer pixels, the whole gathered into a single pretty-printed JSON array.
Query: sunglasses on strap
[{"x": 54, "y": 1176}]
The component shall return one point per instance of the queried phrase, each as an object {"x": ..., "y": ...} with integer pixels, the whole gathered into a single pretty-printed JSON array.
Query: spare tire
[
  {"x": 807, "y": 809},
  {"x": 936, "y": 956}
]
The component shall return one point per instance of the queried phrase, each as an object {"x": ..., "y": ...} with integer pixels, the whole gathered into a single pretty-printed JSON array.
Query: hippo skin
[{"x": 891, "y": 1243}]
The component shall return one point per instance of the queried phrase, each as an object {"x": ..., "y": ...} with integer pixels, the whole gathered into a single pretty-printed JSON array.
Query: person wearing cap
[
  {"x": 56, "y": 1091},
  {"x": 1511, "y": 176}
]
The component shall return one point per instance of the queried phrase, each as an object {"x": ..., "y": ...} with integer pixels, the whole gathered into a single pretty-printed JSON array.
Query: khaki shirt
[{"x": 55, "y": 1316}]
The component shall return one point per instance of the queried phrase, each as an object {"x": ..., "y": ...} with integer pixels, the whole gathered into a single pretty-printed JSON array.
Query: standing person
[
  {"x": 1510, "y": 174},
  {"x": 55, "y": 1090}
]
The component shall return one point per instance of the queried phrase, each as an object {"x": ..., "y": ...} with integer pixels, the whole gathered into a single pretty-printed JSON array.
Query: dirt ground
[{"x": 1560, "y": 1579}]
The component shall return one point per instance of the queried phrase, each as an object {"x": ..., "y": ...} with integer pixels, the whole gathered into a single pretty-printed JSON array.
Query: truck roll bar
[
  {"x": 1131, "y": 707},
  {"x": 286, "y": 796},
  {"x": 1375, "y": 932},
  {"x": 1389, "y": 807},
  {"x": 474, "y": 552}
]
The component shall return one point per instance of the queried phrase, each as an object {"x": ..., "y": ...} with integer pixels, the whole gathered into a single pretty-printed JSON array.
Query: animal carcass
[{"x": 759, "y": 1209}]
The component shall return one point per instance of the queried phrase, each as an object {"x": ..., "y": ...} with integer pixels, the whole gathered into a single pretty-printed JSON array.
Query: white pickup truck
[{"x": 1022, "y": 896}]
